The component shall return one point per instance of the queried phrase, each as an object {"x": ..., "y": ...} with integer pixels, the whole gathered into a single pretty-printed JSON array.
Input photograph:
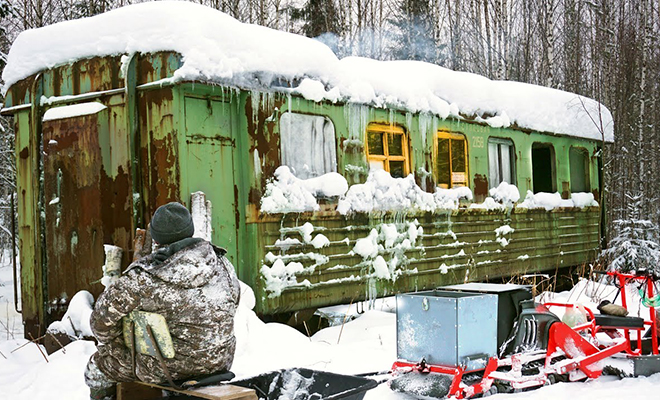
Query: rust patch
[
  {"x": 73, "y": 214},
  {"x": 254, "y": 196},
  {"x": 117, "y": 212},
  {"x": 262, "y": 137},
  {"x": 57, "y": 82},
  {"x": 18, "y": 92},
  {"x": 158, "y": 98},
  {"x": 164, "y": 172},
  {"x": 25, "y": 153},
  {"x": 153, "y": 66},
  {"x": 480, "y": 188},
  {"x": 565, "y": 190},
  {"x": 75, "y": 77},
  {"x": 145, "y": 69},
  {"x": 237, "y": 213},
  {"x": 158, "y": 150},
  {"x": 163, "y": 65},
  {"x": 596, "y": 194}
]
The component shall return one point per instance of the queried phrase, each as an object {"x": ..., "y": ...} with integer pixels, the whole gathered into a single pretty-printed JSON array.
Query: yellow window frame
[
  {"x": 452, "y": 181},
  {"x": 386, "y": 130}
]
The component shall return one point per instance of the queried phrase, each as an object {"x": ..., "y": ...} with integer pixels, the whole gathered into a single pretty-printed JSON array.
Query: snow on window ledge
[
  {"x": 286, "y": 193},
  {"x": 383, "y": 193}
]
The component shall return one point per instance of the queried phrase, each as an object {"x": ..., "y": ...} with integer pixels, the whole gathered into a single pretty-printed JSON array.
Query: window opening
[
  {"x": 579, "y": 165},
  {"x": 501, "y": 162},
  {"x": 451, "y": 160},
  {"x": 387, "y": 148},
  {"x": 307, "y": 144},
  {"x": 543, "y": 168}
]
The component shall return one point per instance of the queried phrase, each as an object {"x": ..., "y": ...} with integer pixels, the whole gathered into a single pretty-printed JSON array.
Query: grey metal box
[{"x": 446, "y": 327}]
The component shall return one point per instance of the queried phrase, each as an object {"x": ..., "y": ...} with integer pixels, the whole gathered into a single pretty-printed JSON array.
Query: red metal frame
[
  {"x": 457, "y": 389},
  {"x": 583, "y": 353},
  {"x": 623, "y": 280}
]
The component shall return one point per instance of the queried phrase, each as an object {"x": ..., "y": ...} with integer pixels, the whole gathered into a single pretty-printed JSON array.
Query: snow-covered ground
[{"x": 366, "y": 344}]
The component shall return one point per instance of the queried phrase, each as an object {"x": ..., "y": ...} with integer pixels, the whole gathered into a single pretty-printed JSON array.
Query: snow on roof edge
[{"x": 216, "y": 47}]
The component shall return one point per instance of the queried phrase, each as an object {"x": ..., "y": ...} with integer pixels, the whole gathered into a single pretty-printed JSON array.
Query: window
[
  {"x": 387, "y": 148},
  {"x": 579, "y": 164},
  {"x": 307, "y": 144},
  {"x": 543, "y": 168},
  {"x": 501, "y": 162},
  {"x": 451, "y": 160}
]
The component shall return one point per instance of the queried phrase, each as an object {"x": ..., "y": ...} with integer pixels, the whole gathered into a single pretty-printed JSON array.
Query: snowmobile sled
[{"x": 480, "y": 339}]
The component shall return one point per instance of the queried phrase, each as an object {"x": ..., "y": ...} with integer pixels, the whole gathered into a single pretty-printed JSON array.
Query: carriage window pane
[
  {"x": 394, "y": 146},
  {"x": 444, "y": 176},
  {"x": 396, "y": 169},
  {"x": 307, "y": 144},
  {"x": 579, "y": 164},
  {"x": 391, "y": 156},
  {"x": 501, "y": 162},
  {"x": 375, "y": 143},
  {"x": 505, "y": 158},
  {"x": 458, "y": 156}
]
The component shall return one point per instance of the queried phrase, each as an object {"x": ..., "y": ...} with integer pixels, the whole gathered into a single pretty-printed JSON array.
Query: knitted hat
[{"x": 171, "y": 223}]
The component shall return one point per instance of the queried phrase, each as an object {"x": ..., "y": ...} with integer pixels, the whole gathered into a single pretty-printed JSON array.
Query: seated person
[{"x": 187, "y": 280}]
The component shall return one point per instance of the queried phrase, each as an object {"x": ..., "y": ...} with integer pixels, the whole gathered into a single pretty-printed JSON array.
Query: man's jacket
[{"x": 196, "y": 290}]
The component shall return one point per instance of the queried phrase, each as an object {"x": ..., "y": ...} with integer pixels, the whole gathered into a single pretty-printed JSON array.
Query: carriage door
[
  {"x": 86, "y": 199},
  {"x": 210, "y": 146}
]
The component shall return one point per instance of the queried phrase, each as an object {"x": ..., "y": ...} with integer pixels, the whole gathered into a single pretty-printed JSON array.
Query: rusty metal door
[{"x": 84, "y": 205}]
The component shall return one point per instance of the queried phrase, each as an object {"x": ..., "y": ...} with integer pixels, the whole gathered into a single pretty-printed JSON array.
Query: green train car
[{"x": 102, "y": 141}]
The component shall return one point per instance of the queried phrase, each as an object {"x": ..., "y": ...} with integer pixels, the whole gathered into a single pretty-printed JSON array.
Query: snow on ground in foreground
[{"x": 365, "y": 344}]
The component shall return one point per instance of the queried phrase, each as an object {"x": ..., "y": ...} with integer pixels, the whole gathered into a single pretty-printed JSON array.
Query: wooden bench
[{"x": 149, "y": 391}]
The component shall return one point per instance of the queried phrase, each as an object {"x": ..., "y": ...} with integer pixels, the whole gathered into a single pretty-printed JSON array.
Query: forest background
[{"x": 604, "y": 49}]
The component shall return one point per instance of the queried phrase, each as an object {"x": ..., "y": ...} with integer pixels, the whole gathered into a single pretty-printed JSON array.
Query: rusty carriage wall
[{"x": 102, "y": 142}]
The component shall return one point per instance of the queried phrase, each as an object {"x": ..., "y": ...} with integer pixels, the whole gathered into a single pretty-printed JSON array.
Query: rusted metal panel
[
  {"x": 158, "y": 155},
  {"x": 156, "y": 66},
  {"x": 87, "y": 191},
  {"x": 95, "y": 74},
  {"x": 454, "y": 247},
  {"x": 28, "y": 225},
  {"x": 19, "y": 93}
]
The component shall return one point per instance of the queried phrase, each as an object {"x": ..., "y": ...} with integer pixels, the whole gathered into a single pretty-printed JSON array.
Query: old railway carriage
[{"x": 102, "y": 141}]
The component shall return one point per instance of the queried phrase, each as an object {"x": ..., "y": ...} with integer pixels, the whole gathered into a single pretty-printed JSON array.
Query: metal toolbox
[{"x": 447, "y": 328}]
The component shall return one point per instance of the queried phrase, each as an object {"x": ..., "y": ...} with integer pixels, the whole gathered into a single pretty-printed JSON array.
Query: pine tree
[
  {"x": 320, "y": 20},
  {"x": 415, "y": 33},
  {"x": 319, "y": 16},
  {"x": 636, "y": 245}
]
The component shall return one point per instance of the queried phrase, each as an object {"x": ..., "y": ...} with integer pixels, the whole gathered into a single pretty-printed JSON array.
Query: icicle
[
  {"x": 255, "y": 96},
  {"x": 409, "y": 120},
  {"x": 257, "y": 166}
]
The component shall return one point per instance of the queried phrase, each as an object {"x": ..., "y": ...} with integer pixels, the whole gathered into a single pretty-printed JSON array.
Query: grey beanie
[{"x": 171, "y": 223}]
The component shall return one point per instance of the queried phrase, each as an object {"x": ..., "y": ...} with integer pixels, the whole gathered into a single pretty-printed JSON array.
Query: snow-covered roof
[{"x": 217, "y": 47}]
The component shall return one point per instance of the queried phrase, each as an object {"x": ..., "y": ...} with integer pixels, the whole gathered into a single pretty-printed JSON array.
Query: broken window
[
  {"x": 579, "y": 165},
  {"x": 501, "y": 162},
  {"x": 451, "y": 160},
  {"x": 387, "y": 148},
  {"x": 307, "y": 144},
  {"x": 543, "y": 168}
]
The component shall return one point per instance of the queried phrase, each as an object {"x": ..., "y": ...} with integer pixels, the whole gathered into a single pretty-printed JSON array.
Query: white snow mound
[{"x": 217, "y": 47}]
